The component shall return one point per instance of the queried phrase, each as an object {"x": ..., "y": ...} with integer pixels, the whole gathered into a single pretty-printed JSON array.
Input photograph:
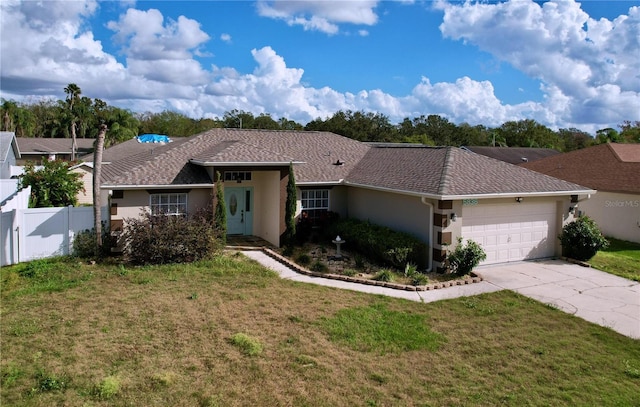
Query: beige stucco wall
[
  {"x": 85, "y": 197},
  {"x": 401, "y": 212},
  {"x": 266, "y": 205},
  {"x": 136, "y": 201},
  {"x": 617, "y": 215}
]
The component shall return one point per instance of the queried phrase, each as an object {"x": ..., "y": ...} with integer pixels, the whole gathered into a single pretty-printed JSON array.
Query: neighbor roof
[
  {"x": 607, "y": 167},
  {"x": 450, "y": 172},
  {"x": 513, "y": 155},
  {"x": 182, "y": 161},
  {"x": 7, "y": 141},
  {"x": 39, "y": 145}
]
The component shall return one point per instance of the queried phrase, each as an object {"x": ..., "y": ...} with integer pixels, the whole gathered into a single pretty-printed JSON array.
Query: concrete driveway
[{"x": 587, "y": 293}]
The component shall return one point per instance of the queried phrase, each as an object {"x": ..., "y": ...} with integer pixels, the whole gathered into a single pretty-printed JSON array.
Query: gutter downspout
[{"x": 430, "y": 222}]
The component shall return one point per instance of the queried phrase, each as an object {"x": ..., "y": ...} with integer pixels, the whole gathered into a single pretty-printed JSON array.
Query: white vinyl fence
[{"x": 29, "y": 234}]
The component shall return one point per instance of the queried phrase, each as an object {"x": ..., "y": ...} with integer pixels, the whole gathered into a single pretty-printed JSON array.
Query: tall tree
[
  {"x": 290, "y": 208},
  {"x": 73, "y": 95},
  {"x": 220, "y": 210},
  {"x": 97, "y": 203}
]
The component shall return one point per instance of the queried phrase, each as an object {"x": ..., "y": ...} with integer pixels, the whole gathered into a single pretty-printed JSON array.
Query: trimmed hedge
[{"x": 380, "y": 243}]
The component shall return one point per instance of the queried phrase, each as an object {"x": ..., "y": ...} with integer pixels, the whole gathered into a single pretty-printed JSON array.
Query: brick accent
[
  {"x": 114, "y": 208},
  {"x": 444, "y": 238},
  {"x": 445, "y": 204},
  {"x": 440, "y": 220},
  {"x": 439, "y": 254}
]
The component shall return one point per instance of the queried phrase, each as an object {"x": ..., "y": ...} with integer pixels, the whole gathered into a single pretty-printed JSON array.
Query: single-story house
[
  {"x": 434, "y": 193},
  {"x": 612, "y": 169},
  {"x": 38, "y": 149},
  {"x": 513, "y": 155}
]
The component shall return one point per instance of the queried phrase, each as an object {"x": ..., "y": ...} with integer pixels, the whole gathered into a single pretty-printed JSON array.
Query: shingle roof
[
  {"x": 606, "y": 167},
  {"x": 39, "y": 145},
  {"x": 6, "y": 142},
  {"x": 450, "y": 171},
  {"x": 436, "y": 171},
  {"x": 513, "y": 155},
  {"x": 133, "y": 163}
]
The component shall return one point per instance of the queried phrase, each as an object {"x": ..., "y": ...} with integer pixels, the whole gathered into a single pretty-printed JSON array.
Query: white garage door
[{"x": 511, "y": 232}]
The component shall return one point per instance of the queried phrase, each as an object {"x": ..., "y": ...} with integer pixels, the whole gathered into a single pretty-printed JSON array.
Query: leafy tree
[
  {"x": 53, "y": 185},
  {"x": 290, "y": 208},
  {"x": 220, "y": 211},
  {"x": 528, "y": 133},
  {"x": 574, "y": 139},
  {"x": 630, "y": 132},
  {"x": 607, "y": 135}
]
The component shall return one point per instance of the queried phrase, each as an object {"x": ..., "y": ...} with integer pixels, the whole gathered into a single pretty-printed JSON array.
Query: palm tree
[
  {"x": 73, "y": 95},
  {"x": 97, "y": 169}
]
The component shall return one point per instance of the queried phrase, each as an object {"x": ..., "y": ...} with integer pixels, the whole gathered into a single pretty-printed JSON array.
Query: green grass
[
  {"x": 110, "y": 340},
  {"x": 621, "y": 258},
  {"x": 376, "y": 329}
]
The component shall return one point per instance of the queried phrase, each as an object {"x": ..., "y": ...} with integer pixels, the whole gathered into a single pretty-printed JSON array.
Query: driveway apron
[{"x": 590, "y": 294}]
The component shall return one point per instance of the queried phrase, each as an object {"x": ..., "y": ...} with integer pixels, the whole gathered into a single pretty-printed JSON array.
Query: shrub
[
  {"x": 582, "y": 239},
  {"x": 379, "y": 243},
  {"x": 319, "y": 266},
  {"x": 465, "y": 257},
  {"x": 160, "y": 239},
  {"x": 303, "y": 259},
  {"x": 84, "y": 243},
  {"x": 384, "y": 275}
]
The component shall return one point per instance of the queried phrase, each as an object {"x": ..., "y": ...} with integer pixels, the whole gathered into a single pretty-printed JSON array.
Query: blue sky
[{"x": 562, "y": 63}]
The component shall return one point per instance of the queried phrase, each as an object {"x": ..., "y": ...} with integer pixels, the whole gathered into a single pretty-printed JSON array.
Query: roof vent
[
  {"x": 153, "y": 138},
  {"x": 338, "y": 162},
  {"x": 525, "y": 159}
]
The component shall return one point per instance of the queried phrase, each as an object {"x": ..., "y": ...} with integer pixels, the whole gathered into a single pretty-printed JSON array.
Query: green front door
[{"x": 239, "y": 202}]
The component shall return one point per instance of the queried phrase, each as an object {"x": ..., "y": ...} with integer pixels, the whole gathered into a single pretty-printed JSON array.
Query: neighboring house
[
  {"x": 9, "y": 153},
  {"x": 435, "y": 193},
  {"x": 513, "y": 155},
  {"x": 37, "y": 149},
  {"x": 85, "y": 169},
  {"x": 613, "y": 170}
]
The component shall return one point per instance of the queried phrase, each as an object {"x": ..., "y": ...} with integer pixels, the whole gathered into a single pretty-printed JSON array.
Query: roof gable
[
  {"x": 606, "y": 167},
  {"x": 7, "y": 143}
]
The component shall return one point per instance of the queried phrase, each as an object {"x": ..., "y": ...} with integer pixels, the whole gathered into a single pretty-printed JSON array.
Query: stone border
[{"x": 473, "y": 278}]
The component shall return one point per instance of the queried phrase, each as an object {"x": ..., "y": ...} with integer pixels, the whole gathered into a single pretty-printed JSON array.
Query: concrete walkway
[{"x": 590, "y": 294}]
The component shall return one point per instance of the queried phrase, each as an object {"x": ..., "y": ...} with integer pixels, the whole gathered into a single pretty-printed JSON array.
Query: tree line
[{"x": 81, "y": 116}]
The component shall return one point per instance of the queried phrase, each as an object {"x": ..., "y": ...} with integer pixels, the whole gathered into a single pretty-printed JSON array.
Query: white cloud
[
  {"x": 320, "y": 15},
  {"x": 149, "y": 38},
  {"x": 585, "y": 60},
  {"x": 225, "y": 37}
]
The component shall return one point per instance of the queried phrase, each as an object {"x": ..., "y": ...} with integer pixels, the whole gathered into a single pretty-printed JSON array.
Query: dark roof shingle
[{"x": 606, "y": 167}]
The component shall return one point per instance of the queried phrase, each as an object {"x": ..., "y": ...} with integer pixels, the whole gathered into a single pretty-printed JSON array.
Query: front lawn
[
  {"x": 622, "y": 258},
  {"x": 228, "y": 332}
]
